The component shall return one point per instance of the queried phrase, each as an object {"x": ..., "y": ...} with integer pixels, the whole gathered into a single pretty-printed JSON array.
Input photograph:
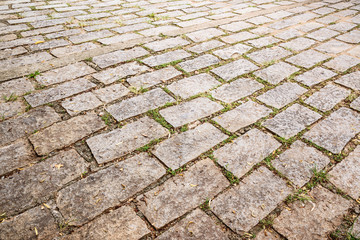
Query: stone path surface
[{"x": 179, "y": 119}]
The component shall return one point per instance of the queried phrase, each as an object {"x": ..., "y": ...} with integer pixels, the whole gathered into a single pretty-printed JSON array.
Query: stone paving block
[
  {"x": 333, "y": 47},
  {"x": 119, "y": 56},
  {"x": 65, "y": 133},
  {"x": 182, "y": 148},
  {"x": 109, "y": 187},
  {"x": 119, "y": 38},
  {"x": 259, "y": 20},
  {"x": 298, "y": 44},
  {"x": 236, "y": 26},
  {"x": 299, "y": 162},
  {"x": 182, "y": 193},
  {"x": 350, "y": 80},
  {"x": 63, "y": 74},
  {"x": 282, "y": 95},
  {"x": 65, "y": 33},
  {"x": 111, "y": 93},
  {"x": 335, "y": 131},
  {"x": 108, "y": 146},
  {"x": 193, "y": 85},
  {"x": 356, "y": 104},
  {"x": 345, "y": 175},
  {"x": 122, "y": 223},
  {"x": 316, "y": 219},
  {"x": 152, "y": 78},
  {"x": 111, "y": 75},
  {"x": 236, "y": 90},
  {"x": 238, "y": 37},
  {"x": 244, "y": 152},
  {"x": 19, "y": 61},
  {"x": 234, "y": 51},
  {"x": 37, "y": 183},
  {"x": 342, "y": 63},
  {"x": 355, "y": 51},
  {"x": 242, "y": 116},
  {"x": 350, "y": 37},
  {"x": 327, "y": 97},
  {"x": 196, "y": 225},
  {"x": 234, "y": 69},
  {"x": 64, "y": 51},
  {"x": 16, "y": 155},
  {"x": 49, "y": 44},
  {"x": 7, "y": 53},
  {"x": 243, "y": 206},
  {"x": 308, "y": 58},
  {"x": 90, "y": 36},
  {"x": 20, "y": 42},
  {"x": 133, "y": 27},
  {"x": 315, "y": 76},
  {"x": 158, "y": 30},
  {"x": 17, "y": 87},
  {"x": 27, "y": 123},
  {"x": 166, "y": 58},
  {"x": 23, "y": 226},
  {"x": 203, "y": 35},
  {"x": 291, "y": 121},
  {"x": 61, "y": 91},
  {"x": 206, "y": 46},
  {"x": 166, "y": 44},
  {"x": 263, "y": 41},
  {"x": 10, "y": 109},
  {"x": 79, "y": 103},
  {"x": 277, "y": 72},
  {"x": 288, "y": 34},
  {"x": 137, "y": 105},
  {"x": 279, "y": 14},
  {"x": 267, "y": 55},
  {"x": 188, "y": 112},
  {"x": 342, "y": 26},
  {"x": 203, "y": 61}
]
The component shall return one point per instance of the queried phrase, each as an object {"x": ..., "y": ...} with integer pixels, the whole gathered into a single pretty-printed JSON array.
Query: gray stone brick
[
  {"x": 350, "y": 80},
  {"x": 206, "y": 46},
  {"x": 236, "y": 26},
  {"x": 298, "y": 44},
  {"x": 199, "y": 62},
  {"x": 308, "y": 58},
  {"x": 350, "y": 37},
  {"x": 203, "y": 35},
  {"x": 10, "y": 109},
  {"x": 259, "y": 20},
  {"x": 277, "y": 72},
  {"x": 49, "y": 44},
  {"x": 25, "y": 60},
  {"x": 315, "y": 76},
  {"x": 119, "y": 38},
  {"x": 111, "y": 93},
  {"x": 16, "y": 87},
  {"x": 342, "y": 63},
  {"x": 158, "y": 30},
  {"x": 269, "y": 54},
  {"x": 90, "y": 36},
  {"x": 356, "y": 104},
  {"x": 64, "y": 51},
  {"x": 238, "y": 37},
  {"x": 333, "y": 47},
  {"x": 133, "y": 27},
  {"x": 166, "y": 44},
  {"x": 234, "y": 69},
  {"x": 8, "y": 53},
  {"x": 152, "y": 78},
  {"x": 79, "y": 103},
  {"x": 263, "y": 41},
  {"x": 166, "y": 58},
  {"x": 234, "y": 51},
  {"x": 342, "y": 26}
]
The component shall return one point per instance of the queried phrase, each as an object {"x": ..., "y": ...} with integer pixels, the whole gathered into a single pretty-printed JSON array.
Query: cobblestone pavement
[{"x": 188, "y": 119}]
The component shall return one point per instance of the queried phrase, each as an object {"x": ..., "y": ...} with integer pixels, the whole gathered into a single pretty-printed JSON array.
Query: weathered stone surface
[
  {"x": 238, "y": 37},
  {"x": 203, "y": 35},
  {"x": 232, "y": 51},
  {"x": 342, "y": 63},
  {"x": 236, "y": 26},
  {"x": 299, "y": 162},
  {"x": 134, "y": 106},
  {"x": 37, "y": 183},
  {"x": 166, "y": 44},
  {"x": 23, "y": 226},
  {"x": 15, "y": 155},
  {"x": 298, "y": 44},
  {"x": 182, "y": 148},
  {"x": 316, "y": 219},
  {"x": 263, "y": 41},
  {"x": 243, "y": 206},
  {"x": 267, "y": 55},
  {"x": 282, "y": 95},
  {"x": 322, "y": 34},
  {"x": 355, "y": 228},
  {"x": 25, "y": 60},
  {"x": 276, "y": 73},
  {"x": 345, "y": 175},
  {"x": 119, "y": 38},
  {"x": 315, "y": 76},
  {"x": 61, "y": 91},
  {"x": 187, "y": 112},
  {"x": 111, "y": 93},
  {"x": 350, "y": 80},
  {"x": 16, "y": 87},
  {"x": 242, "y": 116},
  {"x": 152, "y": 78},
  {"x": 333, "y": 47},
  {"x": 89, "y": 197},
  {"x": 350, "y": 37},
  {"x": 196, "y": 225},
  {"x": 234, "y": 69},
  {"x": 206, "y": 46},
  {"x": 119, "y": 56},
  {"x": 182, "y": 193},
  {"x": 292, "y": 121},
  {"x": 335, "y": 131},
  {"x": 64, "y": 51},
  {"x": 244, "y": 152},
  {"x": 79, "y": 103},
  {"x": 288, "y": 34},
  {"x": 108, "y": 146},
  {"x": 356, "y": 104},
  {"x": 10, "y": 109},
  {"x": 308, "y": 58},
  {"x": 203, "y": 61},
  {"x": 166, "y": 58},
  {"x": 26, "y": 124},
  {"x": 63, "y": 74},
  {"x": 327, "y": 97},
  {"x": 85, "y": 37},
  {"x": 8, "y": 53},
  {"x": 122, "y": 223},
  {"x": 49, "y": 44}
]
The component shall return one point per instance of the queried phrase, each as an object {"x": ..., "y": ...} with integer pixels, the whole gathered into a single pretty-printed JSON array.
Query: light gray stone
[
  {"x": 288, "y": 34},
  {"x": 238, "y": 37},
  {"x": 203, "y": 61},
  {"x": 308, "y": 58},
  {"x": 234, "y": 51},
  {"x": 315, "y": 76},
  {"x": 333, "y": 47},
  {"x": 350, "y": 80},
  {"x": 166, "y": 44},
  {"x": 277, "y": 72},
  {"x": 111, "y": 93},
  {"x": 182, "y": 193},
  {"x": 159, "y": 30},
  {"x": 267, "y": 55},
  {"x": 85, "y": 37},
  {"x": 263, "y": 41},
  {"x": 79, "y": 103},
  {"x": 342, "y": 26},
  {"x": 152, "y": 78},
  {"x": 236, "y": 26},
  {"x": 182, "y": 148},
  {"x": 234, "y": 69},
  {"x": 49, "y": 44},
  {"x": 166, "y": 58},
  {"x": 322, "y": 34},
  {"x": 298, "y": 44},
  {"x": 355, "y": 228},
  {"x": 350, "y": 37},
  {"x": 356, "y": 104},
  {"x": 17, "y": 87},
  {"x": 109, "y": 146},
  {"x": 8, "y": 53},
  {"x": 205, "y": 34},
  {"x": 119, "y": 38},
  {"x": 206, "y": 46},
  {"x": 342, "y": 63},
  {"x": 64, "y": 51},
  {"x": 10, "y": 109}
]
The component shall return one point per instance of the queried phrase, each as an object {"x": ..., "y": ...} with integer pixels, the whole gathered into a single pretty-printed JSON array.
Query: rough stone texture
[
  {"x": 315, "y": 76},
  {"x": 199, "y": 62},
  {"x": 152, "y": 78},
  {"x": 242, "y": 116},
  {"x": 89, "y": 197},
  {"x": 316, "y": 219},
  {"x": 350, "y": 80},
  {"x": 64, "y": 51},
  {"x": 345, "y": 175},
  {"x": 206, "y": 46},
  {"x": 282, "y": 95},
  {"x": 37, "y": 183},
  {"x": 61, "y": 91},
  {"x": 26, "y": 124},
  {"x": 166, "y": 58},
  {"x": 262, "y": 42},
  {"x": 276, "y": 73},
  {"x": 193, "y": 85},
  {"x": 232, "y": 52},
  {"x": 111, "y": 93},
  {"x": 16, "y": 87},
  {"x": 79, "y": 103},
  {"x": 10, "y": 109},
  {"x": 139, "y": 104},
  {"x": 327, "y": 97},
  {"x": 298, "y": 44},
  {"x": 243, "y": 206},
  {"x": 267, "y": 55},
  {"x": 234, "y": 69},
  {"x": 166, "y": 44},
  {"x": 355, "y": 228},
  {"x": 187, "y": 112},
  {"x": 202, "y": 35},
  {"x": 237, "y": 89},
  {"x": 335, "y": 131},
  {"x": 356, "y": 104},
  {"x": 23, "y": 226},
  {"x": 108, "y": 146},
  {"x": 292, "y": 121},
  {"x": 182, "y": 193},
  {"x": 350, "y": 37},
  {"x": 186, "y": 146},
  {"x": 243, "y": 153},
  {"x": 122, "y": 223},
  {"x": 333, "y": 47},
  {"x": 196, "y": 225},
  {"x": 238, "y": 37},
  {"x": 308, "y": 58},
  {"x": 342, "y": 63},
  {"x": 322, "y": 34},
  {"x": 299, "y": 162}
]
